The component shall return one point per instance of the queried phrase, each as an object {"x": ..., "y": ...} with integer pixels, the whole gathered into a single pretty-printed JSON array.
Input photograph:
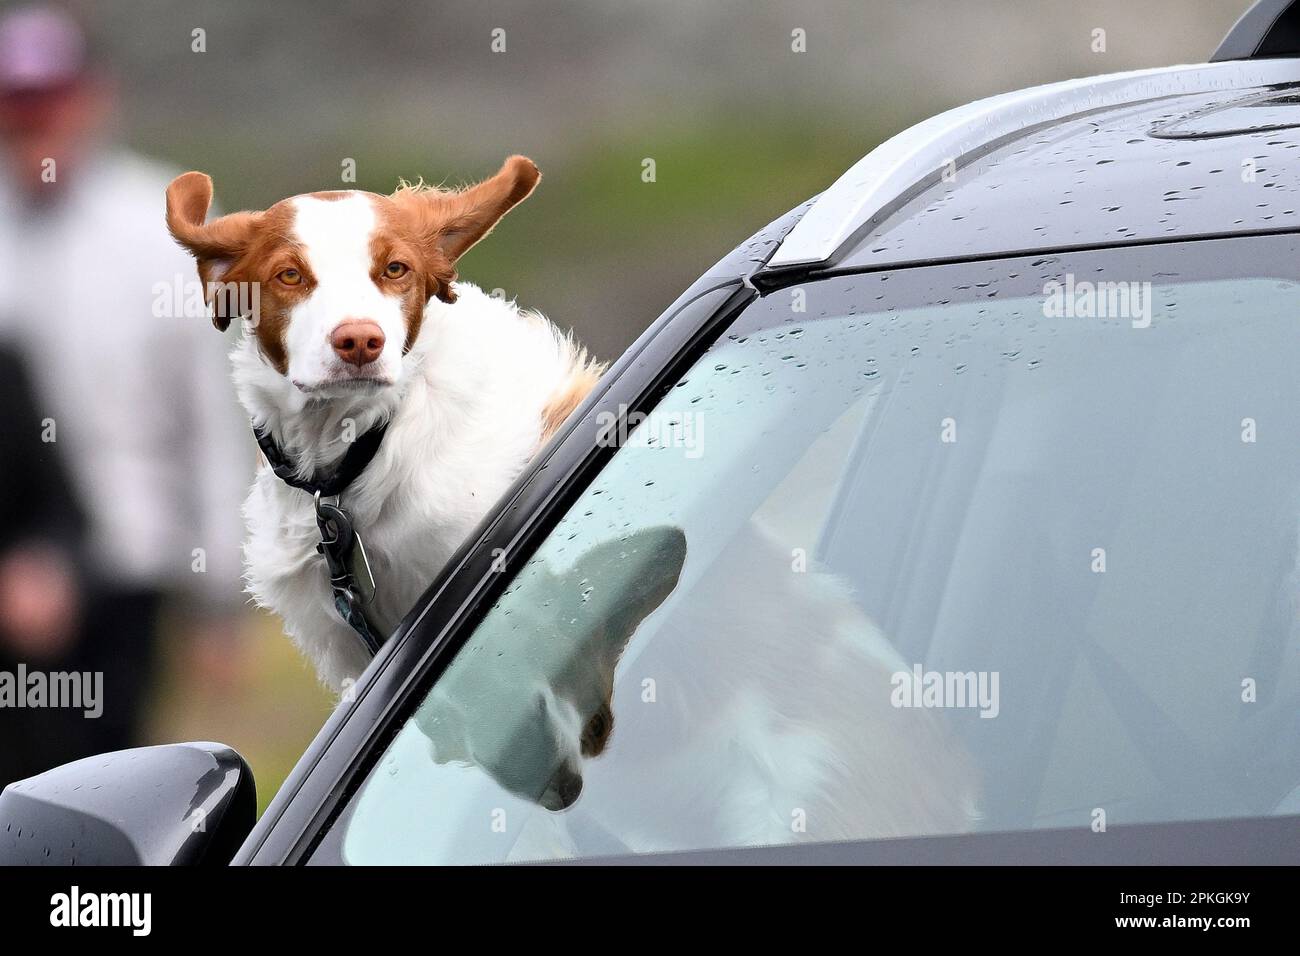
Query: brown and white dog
[{"x": 361, "y": 321}]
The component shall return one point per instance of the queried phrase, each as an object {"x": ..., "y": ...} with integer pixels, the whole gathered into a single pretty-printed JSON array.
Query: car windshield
[{"x": 983, "y": 547}]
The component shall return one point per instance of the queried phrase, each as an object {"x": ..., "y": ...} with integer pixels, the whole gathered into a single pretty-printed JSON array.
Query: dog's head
[{"x": 339, "y": 280}]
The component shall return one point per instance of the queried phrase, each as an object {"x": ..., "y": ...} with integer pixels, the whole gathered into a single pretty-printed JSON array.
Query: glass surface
[{"x": 872, "y": 571}]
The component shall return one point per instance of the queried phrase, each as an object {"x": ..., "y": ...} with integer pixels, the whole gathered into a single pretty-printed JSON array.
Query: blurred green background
[{"x": 741, "y": 127}]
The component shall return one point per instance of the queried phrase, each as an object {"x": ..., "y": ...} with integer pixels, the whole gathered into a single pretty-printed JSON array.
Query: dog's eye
[
  {"x": 290, "y": 277},
  {"x": 396, "y": 270}
]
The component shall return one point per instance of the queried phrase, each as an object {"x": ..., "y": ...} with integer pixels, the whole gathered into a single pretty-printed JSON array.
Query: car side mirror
[{"x": 173, "y": 805}]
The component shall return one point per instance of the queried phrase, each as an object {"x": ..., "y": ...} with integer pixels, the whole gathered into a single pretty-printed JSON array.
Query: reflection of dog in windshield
[
  {"x": 543, "y": 702},
  {"x": 753, "y": 710}
]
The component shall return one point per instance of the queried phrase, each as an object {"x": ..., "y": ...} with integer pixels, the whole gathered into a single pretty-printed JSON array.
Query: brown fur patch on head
[
  {"x": 397, "y": 239},
  {"x": 270, "y": 252},
  {"x": 242, "y": 248},
  {"x": 445, "y": 224}
]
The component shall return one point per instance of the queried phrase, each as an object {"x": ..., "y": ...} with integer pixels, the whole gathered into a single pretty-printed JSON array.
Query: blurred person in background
[
  {"x": 137, "y": 392},
  {"x": 41, "y": 533}
]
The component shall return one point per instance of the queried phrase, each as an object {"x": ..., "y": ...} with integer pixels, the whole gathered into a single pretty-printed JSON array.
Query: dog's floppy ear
[
  {"x": 214, "y": 245},
  {"x": 471, "y": 213},
  {"x": 447, "y": 224}
]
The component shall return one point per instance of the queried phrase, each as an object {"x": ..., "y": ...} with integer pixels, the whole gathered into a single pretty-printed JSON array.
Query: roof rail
[
  {"x": 917, "y": 158},
  {"x": 1269, "y": 28}
]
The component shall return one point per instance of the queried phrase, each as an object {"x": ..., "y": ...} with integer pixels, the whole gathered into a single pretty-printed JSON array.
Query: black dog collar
[{"x": 359, "y": 454}]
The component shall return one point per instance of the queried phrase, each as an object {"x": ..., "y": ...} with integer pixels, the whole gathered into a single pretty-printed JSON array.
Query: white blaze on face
[{"x": 335, "y": 235}]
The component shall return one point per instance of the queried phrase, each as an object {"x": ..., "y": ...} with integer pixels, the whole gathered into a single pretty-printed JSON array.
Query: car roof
[
  {"x": 1142, "y": 156},
  {"x": 1173, "y": 168}
]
